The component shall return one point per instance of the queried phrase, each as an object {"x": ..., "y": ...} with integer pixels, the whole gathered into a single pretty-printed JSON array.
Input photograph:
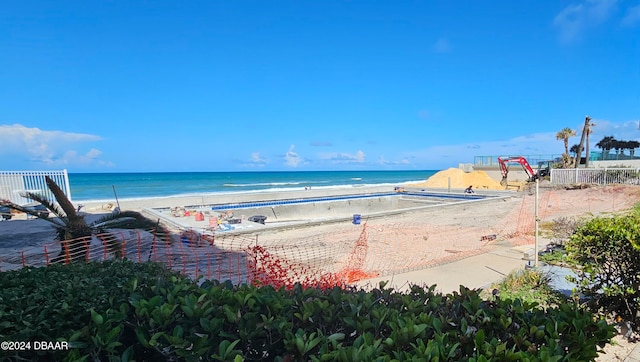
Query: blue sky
[{"x": 121, "y": 86}]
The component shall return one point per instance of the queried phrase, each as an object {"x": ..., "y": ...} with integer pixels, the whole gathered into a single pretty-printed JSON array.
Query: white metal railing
[
  {"x": 601, "y": 176},
  {"x": 13, "y": 184},
  {"x": 492, "y": 161}
]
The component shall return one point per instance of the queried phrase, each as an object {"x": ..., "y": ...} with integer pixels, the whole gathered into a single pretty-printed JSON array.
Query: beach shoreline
[
  {"x": 138, "y": 204},
  {"x": 105, "y": 186}
]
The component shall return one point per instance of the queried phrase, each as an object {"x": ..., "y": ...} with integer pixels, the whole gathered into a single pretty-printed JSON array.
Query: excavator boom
[{"x": 503, "y": 161}]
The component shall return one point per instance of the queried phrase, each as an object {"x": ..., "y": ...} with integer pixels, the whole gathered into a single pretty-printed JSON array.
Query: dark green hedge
[
  {"x": 607, "y": 249},
  {"x": 122, "y": 310}
]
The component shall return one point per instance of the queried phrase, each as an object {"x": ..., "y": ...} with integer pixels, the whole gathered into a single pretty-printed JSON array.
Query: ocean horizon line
[{"x": 247, "y": 171}]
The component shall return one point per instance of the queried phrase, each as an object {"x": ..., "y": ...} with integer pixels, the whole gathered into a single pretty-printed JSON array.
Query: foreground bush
[
  {"x": 530, "y": 286},
  {"x": 607, "y": 250},
  {"x": 172, "y": 318},
  {"x": 50, "y": 304}
]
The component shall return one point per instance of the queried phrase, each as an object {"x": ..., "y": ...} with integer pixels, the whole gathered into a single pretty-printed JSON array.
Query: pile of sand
[{"x": 460, "y": 180}]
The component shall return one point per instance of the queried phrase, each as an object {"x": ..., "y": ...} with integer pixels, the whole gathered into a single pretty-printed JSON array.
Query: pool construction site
[{"x": 278, "y": 213}]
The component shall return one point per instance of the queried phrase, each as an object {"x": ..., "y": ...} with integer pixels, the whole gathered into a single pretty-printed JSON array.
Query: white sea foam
[
  {"x": 260, "y": 184},
  {"x": 261, "y": 191}
]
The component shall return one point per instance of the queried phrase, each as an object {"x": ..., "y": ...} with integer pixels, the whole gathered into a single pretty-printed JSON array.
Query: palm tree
[
  {"x": 632, "y": 147},
  {"x": 585, "y": 131},
  {"x": 619, "y": 146},
  {"x": 564, "y": 135},
  {"x": 73, "y": 230},
  {"x": 587, "y": 151},
  {"x": 574, "y": 149},
  {"x": 606, "y": 144}
]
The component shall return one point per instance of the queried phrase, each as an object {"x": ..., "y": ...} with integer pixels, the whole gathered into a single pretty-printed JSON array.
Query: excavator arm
[{"x": 504, "y": 169}]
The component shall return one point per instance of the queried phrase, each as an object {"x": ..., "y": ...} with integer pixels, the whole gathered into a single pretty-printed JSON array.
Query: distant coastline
[{"x": 130, "y": 186}]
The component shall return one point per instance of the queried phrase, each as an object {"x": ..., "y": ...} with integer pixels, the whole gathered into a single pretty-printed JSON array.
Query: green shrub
[
  {"x": 143, "y": 317},
  {"x": 607, "y": 251},
  {"x": 530, "y": 286},
  {"x": 555, "y": 257},
  {"x": 562, "y": 228},
  {"x": 51, "y": 303}
]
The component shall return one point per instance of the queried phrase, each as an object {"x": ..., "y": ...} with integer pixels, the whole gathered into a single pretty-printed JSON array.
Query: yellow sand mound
[{"x": 461, "y": 180}]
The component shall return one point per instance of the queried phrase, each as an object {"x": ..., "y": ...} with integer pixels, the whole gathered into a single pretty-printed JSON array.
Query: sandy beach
[{"x": 219, "y": 198}]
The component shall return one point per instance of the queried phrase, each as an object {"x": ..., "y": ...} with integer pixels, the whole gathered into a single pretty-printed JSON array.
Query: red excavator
[{"x": 544, "y": 168}]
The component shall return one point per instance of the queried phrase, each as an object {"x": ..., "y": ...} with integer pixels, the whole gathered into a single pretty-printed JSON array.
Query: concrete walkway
[
  {"x": 479, "y": 271},
  {"x": 634, "y": 356}
]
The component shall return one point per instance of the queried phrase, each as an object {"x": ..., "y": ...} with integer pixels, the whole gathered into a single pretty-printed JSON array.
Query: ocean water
[{"x": 104, "y": 186}]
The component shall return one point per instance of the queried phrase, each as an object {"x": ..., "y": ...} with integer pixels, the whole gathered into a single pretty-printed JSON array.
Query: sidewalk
[
  {"x": 479, "y": 271},
  {"x": 634, "y": 356}
]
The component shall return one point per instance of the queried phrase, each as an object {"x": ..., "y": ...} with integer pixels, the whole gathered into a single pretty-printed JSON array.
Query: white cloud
[
  {"x": 321, "y": 144},
  {"x": 292, "y": 159},
  {"x": 93, "y": 153},
  {"x": 543, "y": 144},
  {"x": 632, "y": 17},
  {"x": 403, "y": 161},
  {"x": 575, "y": 19},
  {"x": 627, "y": 131},
  {"x": 343, "y": 157},
  {"x": 49, "y": 148},
  {"x": 533, "y": 145},
  {"x": 257, "y": 159},
  {"x": 73, "y": 158},
  {"x": 442, "y": 45}
]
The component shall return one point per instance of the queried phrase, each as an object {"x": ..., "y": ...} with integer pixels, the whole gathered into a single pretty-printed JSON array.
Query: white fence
[
  {"x": 603, "y": 176},
  {"x": 13, "y": 184}
]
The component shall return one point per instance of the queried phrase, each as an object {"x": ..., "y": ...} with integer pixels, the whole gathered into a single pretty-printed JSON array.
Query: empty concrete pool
[{"x": 235, "y": 217}]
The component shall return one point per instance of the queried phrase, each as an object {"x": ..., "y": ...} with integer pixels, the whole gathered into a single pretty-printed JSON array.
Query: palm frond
[
  {"x": 129, "y": 220},
  {"x": 46, "y": 202},
  {"x": 72, "y": 229},
  {"x": 61, "y": 198},
  {"x": 25, "y": 209},
  {"x": 73, "y": 224}
]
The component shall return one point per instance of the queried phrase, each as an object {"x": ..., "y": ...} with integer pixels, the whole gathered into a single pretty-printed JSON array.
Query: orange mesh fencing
[
  {"x": 345, "y": 254},
  {"x": 332, "y": 259},
  {"x": 349, "y": 254},
  {"x": 518, "y": 226},
  {"x": 189, "y": 255}
]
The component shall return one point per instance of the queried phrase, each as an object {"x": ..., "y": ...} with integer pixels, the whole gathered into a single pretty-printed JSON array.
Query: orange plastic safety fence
[
  {"x": 333, "y": 259},
  {"x": 346, "y": 254}
]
